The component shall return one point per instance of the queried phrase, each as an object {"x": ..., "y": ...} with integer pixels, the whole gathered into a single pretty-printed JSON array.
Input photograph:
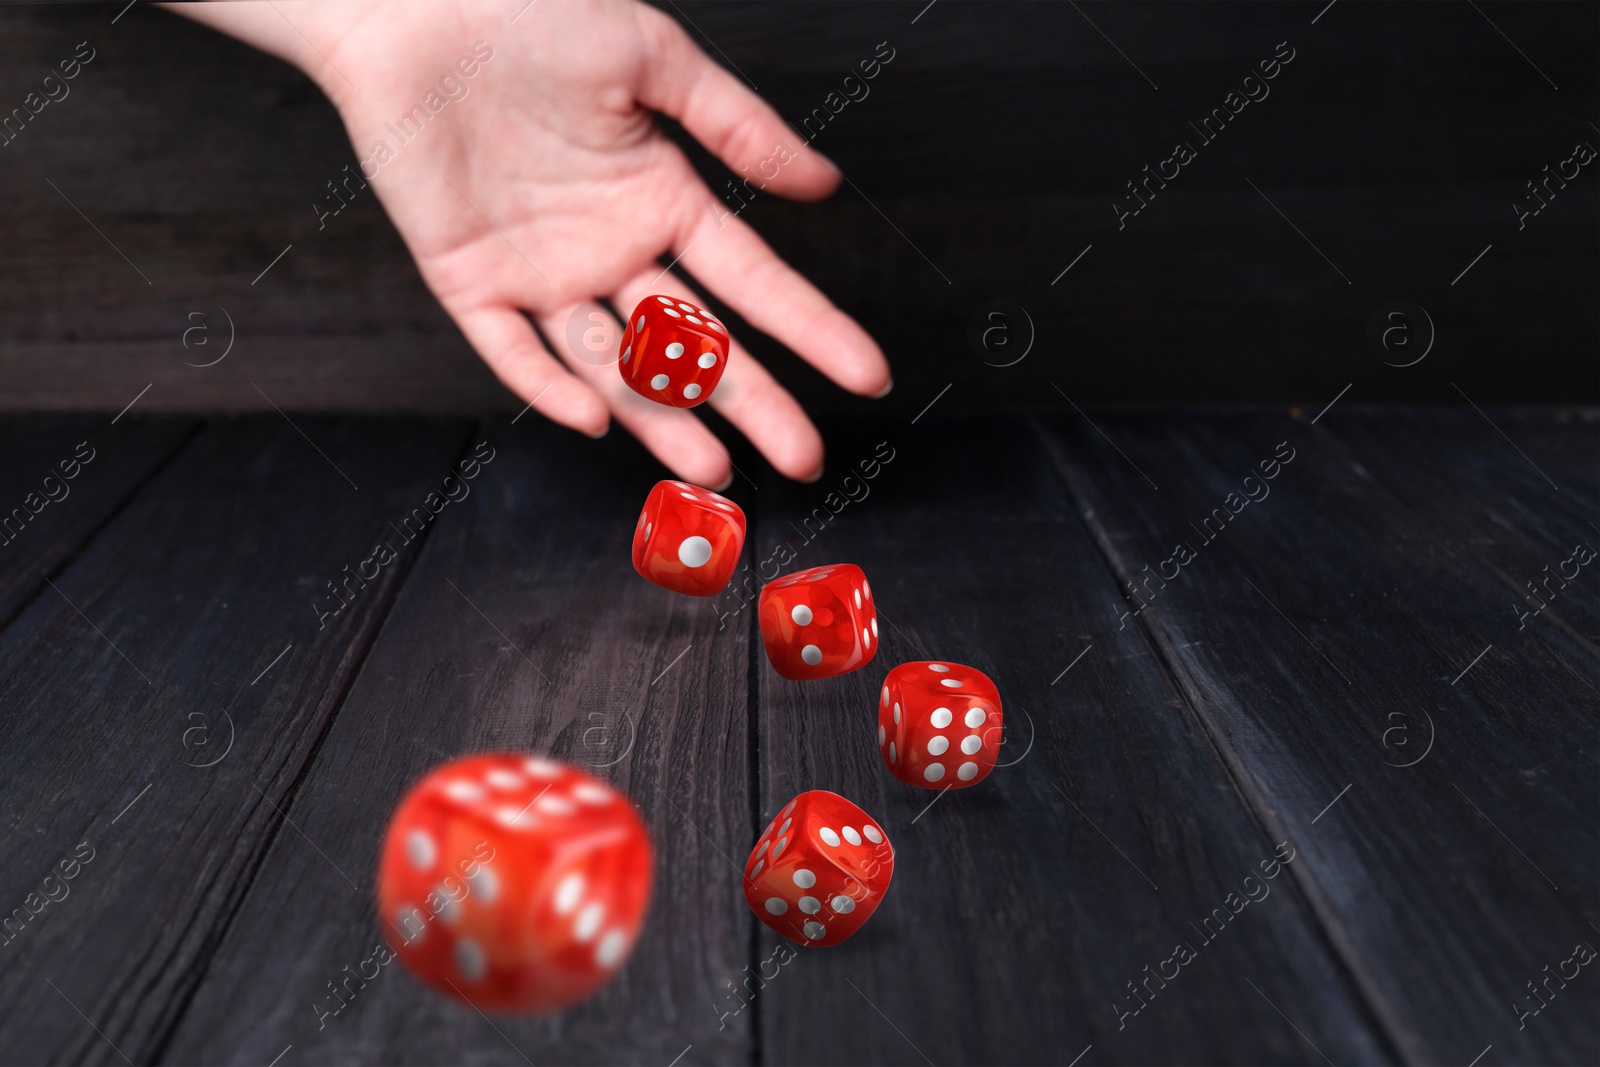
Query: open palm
[{"x": 548, "y": 186}]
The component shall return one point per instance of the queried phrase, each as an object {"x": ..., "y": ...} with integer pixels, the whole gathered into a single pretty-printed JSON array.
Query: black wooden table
[{"x": 1298, "y": 769}]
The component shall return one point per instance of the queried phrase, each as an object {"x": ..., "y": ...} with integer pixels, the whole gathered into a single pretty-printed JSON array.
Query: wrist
[
  {"x": 324, "y": 32},
  {"x": 307, "y": 36}
]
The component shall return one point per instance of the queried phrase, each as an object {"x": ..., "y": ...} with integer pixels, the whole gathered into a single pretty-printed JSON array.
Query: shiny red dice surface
[
  {"x": 819, "y": 622},
  {"x": 820, "y": 870},
  {"x": 939, "y": 724},
  {"x": 673, "y": 352},
  {"x": 514, "y": 882},
  {"x": 688, "y": 539}
]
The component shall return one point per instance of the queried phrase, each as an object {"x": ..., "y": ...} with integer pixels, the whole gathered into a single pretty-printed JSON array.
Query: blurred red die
[{"x": 514, "y": 883}]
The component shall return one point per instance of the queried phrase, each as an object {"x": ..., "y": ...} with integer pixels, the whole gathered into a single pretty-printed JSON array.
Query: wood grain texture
[
  {"x": 983, "y": 159},
  {"x": 1316, "y": 641},
  {"x": 172, "y": 621},
  {"x": 39, "y": 452},
  {"x": 1024, "y": 910},
  {"x": 523, "y": 627},
  {"x": 1326, "y": 633}
]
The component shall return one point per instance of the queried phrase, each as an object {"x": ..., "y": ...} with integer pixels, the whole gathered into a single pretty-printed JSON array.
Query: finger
[
  {"x": 772, "y": 419},
  {"x": 513, "y": 351},
  {"x": 672, "y": 435},
  {"x": 732, "y": 122},
  {"x": 735, "y": 263},
  {"x": 747, "y": 396}
]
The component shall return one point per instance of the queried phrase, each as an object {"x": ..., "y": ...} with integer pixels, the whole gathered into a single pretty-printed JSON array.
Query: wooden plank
[
  {"x": 183, "y": 635},
  {"x": 522, "y": 627},
  {"x": 37, "y": 452},
  {"x": 1333, "y": 630},
  {"x": 1023, "y": 912},
  {"x": 1522, "y": 524}
]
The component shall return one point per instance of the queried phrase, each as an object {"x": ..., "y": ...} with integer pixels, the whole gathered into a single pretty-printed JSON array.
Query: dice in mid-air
[
  {"x": 820, "y": 869},
  {"x": 939, "y": 724},
  {"x": 819, "y": 622},
  {"x": 513, "y": 882},
  {"x": 688, "y": 539},
  {"x": 673, "y": 352}
]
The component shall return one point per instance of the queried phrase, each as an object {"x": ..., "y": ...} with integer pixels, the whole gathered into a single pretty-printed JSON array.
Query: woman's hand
[{"x": 542, "y": 183}]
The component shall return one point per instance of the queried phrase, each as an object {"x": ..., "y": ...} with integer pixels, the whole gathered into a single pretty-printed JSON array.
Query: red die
[
  {"x": 828, "y": 868},
  {"x": 820, "y": 622},
  {"x": 939, "y": 718},
  {"x": 673, "y": 352},
  {"x": 514, "y": 883},
  {"x": 688, "y": 539}
]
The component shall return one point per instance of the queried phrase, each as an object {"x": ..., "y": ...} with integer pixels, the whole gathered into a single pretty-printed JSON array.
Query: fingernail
[
  {"x": 817, "y": 477},
  {"x": 603, "y": 431},
  {"x": 725, "y": 484},
  {"x": 885, "y": 391}
]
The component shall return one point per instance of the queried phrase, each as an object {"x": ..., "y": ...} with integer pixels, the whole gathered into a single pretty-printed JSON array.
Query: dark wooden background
[
  {"x": 996, "y": 140},
  {"x": 1340, "y": 673}
]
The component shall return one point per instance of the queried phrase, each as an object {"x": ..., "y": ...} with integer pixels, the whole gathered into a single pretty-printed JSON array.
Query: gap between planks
[
  {"x": 1385, "y": 1030},
  {"x": 362, "y": 648},
  {"x": 70, "y": 556}
]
